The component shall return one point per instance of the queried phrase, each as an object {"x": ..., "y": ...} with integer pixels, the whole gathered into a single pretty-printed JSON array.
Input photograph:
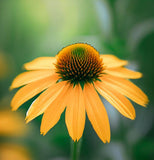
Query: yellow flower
[
  {"x": 13, "y": 152},
  {"x": 11, "y": 124},
  {"x": 72, "y": 80}
]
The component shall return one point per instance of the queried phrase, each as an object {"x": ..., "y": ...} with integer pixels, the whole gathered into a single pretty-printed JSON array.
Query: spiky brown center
[{"x": 79, "y": 63}]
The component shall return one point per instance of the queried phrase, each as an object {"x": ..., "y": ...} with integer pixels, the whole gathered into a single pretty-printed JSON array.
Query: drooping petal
[
  {"x": 96, "y": 113},
  {"x": 126, "y": 88},
  {"x": 28, "y": 77},
  {"x": 32, "y": 89},
  {"x": 75, "y": 113},
  {"x": 53, "y": 112},
  {"x": 111, "y": 61},
  {"x": 120, "y": 102},
  {"x": 123, "y": 73},
  {"x": 44, "y": 100},
  {"x": 41, "y": 63}
]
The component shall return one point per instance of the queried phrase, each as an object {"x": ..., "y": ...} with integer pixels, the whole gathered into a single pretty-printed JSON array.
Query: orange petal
[
  {"x": 53, "y": 112},
  {"x": 44, "y": 100},
  {"x": 28, "y": 77},
  {"x": 111, "y": 61},
  {"x": 120, "y": 102},
  {"x": 96, "y": 113},
  {"x": 123, "y": 73},
  {"x": 41, "y": 63},
  {"x": 126, "y": 88},
  {"x": 75, "y": 113},
  {"x": 32, "y": 89}
]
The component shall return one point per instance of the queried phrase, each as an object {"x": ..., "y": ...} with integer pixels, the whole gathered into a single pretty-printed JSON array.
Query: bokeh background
[{"x": 34, "y": 28}]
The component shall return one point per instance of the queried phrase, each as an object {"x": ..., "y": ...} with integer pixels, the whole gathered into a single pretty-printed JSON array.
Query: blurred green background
[{"x": 34, "y": 28}]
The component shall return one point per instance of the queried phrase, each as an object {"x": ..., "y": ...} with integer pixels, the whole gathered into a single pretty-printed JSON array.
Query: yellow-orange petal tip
[
  {"x": 108, "y": 141},
  {"x": 42, "y": 133},
  {"x": 77, "y": 139},
  {"x": 140, "y": 75},
  {"x": 27, "y": 119},
  {"x": 24, "y": 66},
  {"x": 11, "y": 88},
  {"x": 13, "y": 108},
  {"x": 132, "y": 117}
]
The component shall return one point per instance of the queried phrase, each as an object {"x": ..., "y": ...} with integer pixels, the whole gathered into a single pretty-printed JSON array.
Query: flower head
[
  {"x": 79, "y": 63},
  {"x": 72, "y": 80}
]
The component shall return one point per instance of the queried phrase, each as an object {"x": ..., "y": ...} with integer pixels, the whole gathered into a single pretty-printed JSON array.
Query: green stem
[
  {"x": 75, "y": 154},
  {"x": 75, "y": 150}
]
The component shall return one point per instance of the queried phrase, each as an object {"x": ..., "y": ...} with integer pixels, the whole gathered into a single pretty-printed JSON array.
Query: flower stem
[
  {"x": 74, "y": 155},
  {"x": 75, "y": 150}
]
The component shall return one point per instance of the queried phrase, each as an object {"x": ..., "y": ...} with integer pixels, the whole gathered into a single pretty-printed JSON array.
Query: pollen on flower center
[{"x": 79, "y": 63}]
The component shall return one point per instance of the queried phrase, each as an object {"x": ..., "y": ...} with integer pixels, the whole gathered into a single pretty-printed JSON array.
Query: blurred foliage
[{"x": 33, "y": 28}]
